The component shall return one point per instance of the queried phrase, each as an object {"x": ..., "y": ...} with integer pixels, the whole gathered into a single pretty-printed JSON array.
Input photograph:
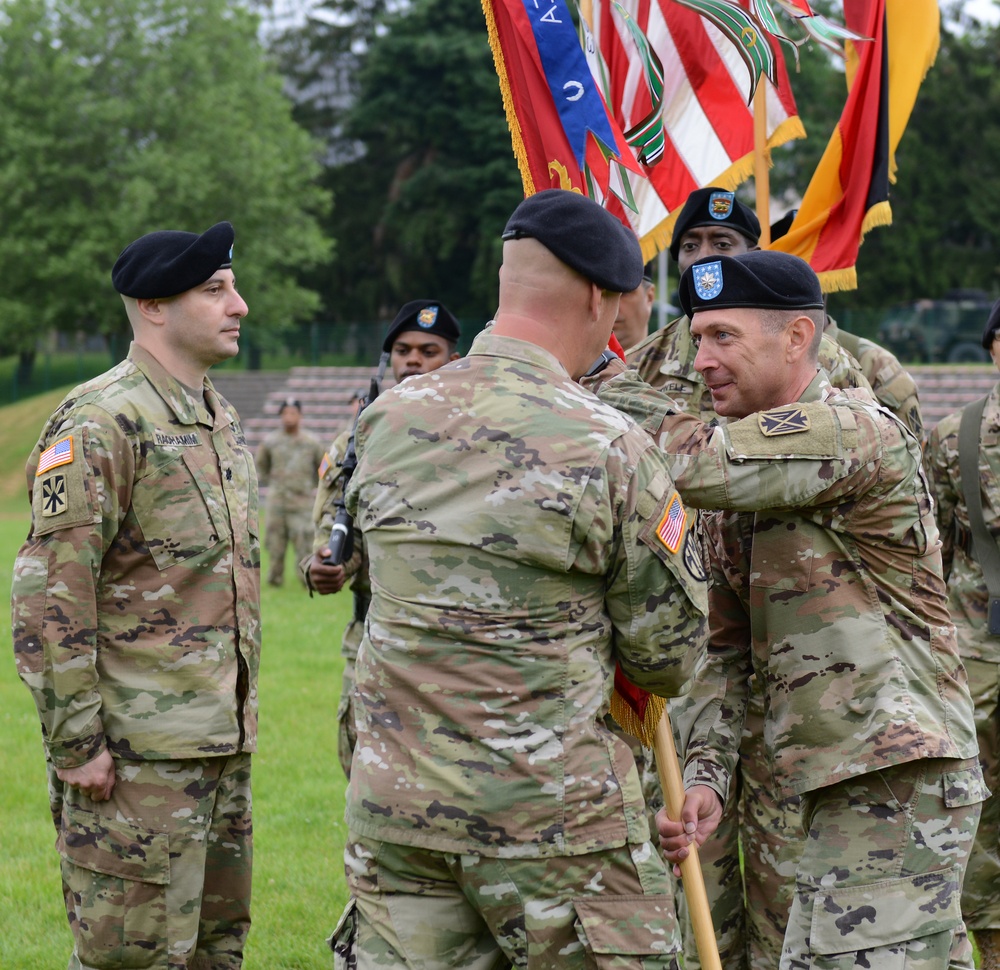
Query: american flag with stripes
[
  {"x": 671, "y": 526},
  {"x": 708, "y": 125},
  {"x": 61, "y": 453}
]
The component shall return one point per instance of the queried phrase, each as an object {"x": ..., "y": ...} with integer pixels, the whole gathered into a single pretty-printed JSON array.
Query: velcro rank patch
[
  {"x": 800, "y": 431},
  {"x": 780, "y": 421}
]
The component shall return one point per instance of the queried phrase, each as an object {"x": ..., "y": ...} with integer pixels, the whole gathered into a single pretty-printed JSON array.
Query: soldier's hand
[
  {"x": 699, "y": 819},
  {"x": 96, "y": 778},
  {"x": 325, "y": 579}
]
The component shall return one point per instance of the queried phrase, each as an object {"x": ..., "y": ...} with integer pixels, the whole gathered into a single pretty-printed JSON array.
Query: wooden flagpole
[
  {"x": 669, "y": 770},
  {"x": 762, "y": 162}
]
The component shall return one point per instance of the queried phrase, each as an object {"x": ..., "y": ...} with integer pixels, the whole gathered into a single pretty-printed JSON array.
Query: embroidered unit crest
[
  {"x": 708, "y": 280},
  {"x": 54, "y": 495},
  {"x": 720, "y": 204},
  {"x": 427, "y": 317}
]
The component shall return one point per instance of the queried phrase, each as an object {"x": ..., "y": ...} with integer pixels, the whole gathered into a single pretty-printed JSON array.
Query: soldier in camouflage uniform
[
  {"x": 136, "y": 624},
  {"x": 288, "y": 460},
  {"x": 523, "y": 538},
  {"x": 968, "y": 600},
  {"x": 827, "y": 585},
  {"x": 422, "y": 337},
  {"x": 749, "y": 862}
]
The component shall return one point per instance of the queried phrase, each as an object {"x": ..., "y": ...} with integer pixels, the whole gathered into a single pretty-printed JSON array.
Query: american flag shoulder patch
[
  {"x": 325, "y": 464},
  {"x": 61, "y": 453},
  {"x": 670, "y": 531}
]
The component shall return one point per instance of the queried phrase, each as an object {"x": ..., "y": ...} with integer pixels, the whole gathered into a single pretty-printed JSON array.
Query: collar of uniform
[
  {"x": 818, "y": 389},
  {"x": 489, "y": 344},
  {"x": 179, "y": 398}
]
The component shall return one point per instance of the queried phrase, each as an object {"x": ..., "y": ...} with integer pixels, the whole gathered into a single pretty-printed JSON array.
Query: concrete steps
[{"x": 943, "y": 388}]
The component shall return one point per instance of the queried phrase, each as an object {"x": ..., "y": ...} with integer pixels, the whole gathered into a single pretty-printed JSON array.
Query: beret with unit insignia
[
  {"x": 427, "y": 316},
  {"x": 760, "y": 280},
  {"x": 712, "y": 206}
]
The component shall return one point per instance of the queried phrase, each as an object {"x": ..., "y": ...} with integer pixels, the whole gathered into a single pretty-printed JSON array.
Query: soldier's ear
[
  {"x": 800, "y": 333},
  {"x": 151, "y": 310}
]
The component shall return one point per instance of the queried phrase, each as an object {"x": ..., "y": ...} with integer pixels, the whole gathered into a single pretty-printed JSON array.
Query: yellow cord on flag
[{"x": 517, "y": 139}]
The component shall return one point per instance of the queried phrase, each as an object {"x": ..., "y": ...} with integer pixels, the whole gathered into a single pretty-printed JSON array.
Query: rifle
[{"x": 342, "y": 533}]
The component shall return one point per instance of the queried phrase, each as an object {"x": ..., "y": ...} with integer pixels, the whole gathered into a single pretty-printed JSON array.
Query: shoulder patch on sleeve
[
  {"x": 60, "y": 453},
  {"x": 60, "y": 498},
  {"x": 798, "y": 431},
  {"x": 670, "y": 528}
]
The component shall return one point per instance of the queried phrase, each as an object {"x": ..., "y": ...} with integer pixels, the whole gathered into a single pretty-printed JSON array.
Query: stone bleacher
[
  {"x": 325, "y": 394},
  {"x": 945, "y": 388}
]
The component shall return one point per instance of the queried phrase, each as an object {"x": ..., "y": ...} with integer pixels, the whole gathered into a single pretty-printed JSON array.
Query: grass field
[{"x": 298, "y": 784}]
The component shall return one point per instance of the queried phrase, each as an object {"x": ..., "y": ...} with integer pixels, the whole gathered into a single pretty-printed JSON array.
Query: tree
[
  {"x": 421, "y": 206},
  {"x": 123, "y": 116}
]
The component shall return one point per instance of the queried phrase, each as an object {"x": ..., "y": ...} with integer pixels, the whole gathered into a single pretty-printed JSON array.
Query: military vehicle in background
[{"x": 949, "y": 330}]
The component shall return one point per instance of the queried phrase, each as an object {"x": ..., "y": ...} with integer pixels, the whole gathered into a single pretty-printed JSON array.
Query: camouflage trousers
[
  {"x": 159, "y": 875},
  {"x": 286, "y": 525},
  {"x": 347, "y": 736},
  {"x": 981, "y": 895},
  {"x": 749, "y": 862},
  {"x": 880, "y": 879},
  {"x": 422, "y": 910}
]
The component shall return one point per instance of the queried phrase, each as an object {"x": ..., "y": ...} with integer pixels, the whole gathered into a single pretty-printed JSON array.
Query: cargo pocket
[
  {"x": 341, "y": 940},
  {"x": 116, "y": 875},
  {"x": 965, "y": 786},
  {"x": 628, "y": 932},
  {"x": 889, "y": 916}
]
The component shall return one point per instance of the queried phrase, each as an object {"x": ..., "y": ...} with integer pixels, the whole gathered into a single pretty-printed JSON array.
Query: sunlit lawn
[{"x": 297, "y": 781}]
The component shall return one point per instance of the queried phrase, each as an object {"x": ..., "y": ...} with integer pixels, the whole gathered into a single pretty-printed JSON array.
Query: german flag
[{"x": 849, "y": 192}]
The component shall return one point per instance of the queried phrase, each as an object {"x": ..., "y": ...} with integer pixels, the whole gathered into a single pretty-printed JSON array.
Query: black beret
[
  {"x": 583, "y": 235},
  {"x": 712, "y": 206},
  {"x": 762, "y": 279},
  {"x": 427, "y": 316},
  {"x": 162, "y": 264},
  {"x": 291, "y": 402},
  {"x": 992, "y": 326}
]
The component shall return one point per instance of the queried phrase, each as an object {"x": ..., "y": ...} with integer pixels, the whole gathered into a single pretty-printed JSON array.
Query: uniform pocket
[
  {"x": 116, "y": 875},
  {"x": 341, "y": 940},
  {"x": 173, "y": 505},
  {"x": 884, "y": 915},
  {"x": 628, "y": 932}
]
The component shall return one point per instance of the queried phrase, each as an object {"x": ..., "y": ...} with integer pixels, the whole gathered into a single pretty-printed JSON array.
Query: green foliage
[
  {"x": 420, "y": 211},
  {"x": 299, "y": 829},
  {"x": 124, "y": 116}
]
